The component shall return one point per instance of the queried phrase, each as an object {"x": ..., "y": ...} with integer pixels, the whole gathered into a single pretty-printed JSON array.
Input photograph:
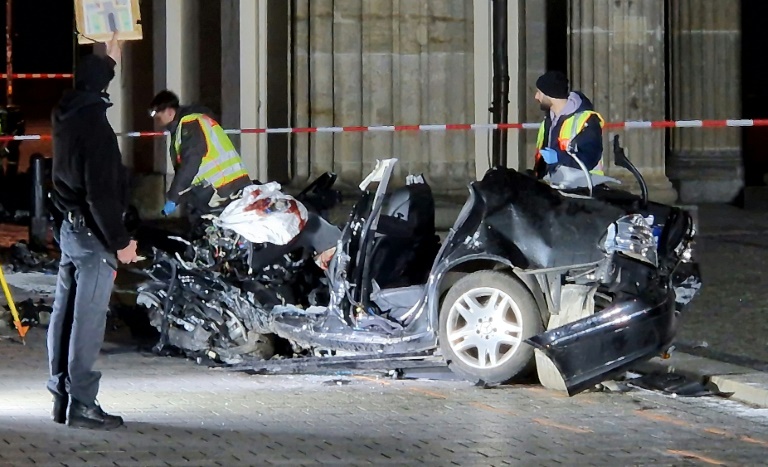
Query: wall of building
[
  {"x": 327, "y": 63},
  {"x": 340, "y": 62},
  {"x": 705, "y": 83},
  {"x": 535, "y": 61},
  {"x": 383, "y": 62},
  {"x": 652, "y": 60}
]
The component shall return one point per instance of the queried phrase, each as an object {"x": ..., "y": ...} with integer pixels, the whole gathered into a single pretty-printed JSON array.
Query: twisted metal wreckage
[{"x": 575, "y": 276}]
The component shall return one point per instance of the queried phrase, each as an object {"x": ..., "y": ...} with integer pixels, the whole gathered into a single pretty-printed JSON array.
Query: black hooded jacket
[{"x": 88, "y": 175}]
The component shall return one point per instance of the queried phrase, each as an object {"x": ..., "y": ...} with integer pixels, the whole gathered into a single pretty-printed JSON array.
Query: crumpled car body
[
  {"x": 209, "y": 292},
  {"x": 544, "y": 251},
  {"x": 579, "y": 287}
]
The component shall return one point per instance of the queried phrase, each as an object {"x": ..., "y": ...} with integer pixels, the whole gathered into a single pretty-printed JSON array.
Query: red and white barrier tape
[
  {"x": 448, "y": 127},
  {"x": 38, "y": 76}
]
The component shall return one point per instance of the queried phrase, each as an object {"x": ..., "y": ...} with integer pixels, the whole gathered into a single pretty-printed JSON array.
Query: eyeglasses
[{"x": 152, "y": 113}]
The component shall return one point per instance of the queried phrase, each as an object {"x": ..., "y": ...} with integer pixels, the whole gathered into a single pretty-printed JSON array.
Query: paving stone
[{"x": 179, "y": 413}]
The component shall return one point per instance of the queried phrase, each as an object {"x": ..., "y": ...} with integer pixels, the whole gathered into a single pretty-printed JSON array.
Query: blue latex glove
[
  {"x": 549, "y": 155},
  {"x": 169, "y": 208}
]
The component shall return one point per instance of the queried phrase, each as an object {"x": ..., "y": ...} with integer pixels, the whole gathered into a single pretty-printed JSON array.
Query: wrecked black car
[{"x": 579, "y": 283}]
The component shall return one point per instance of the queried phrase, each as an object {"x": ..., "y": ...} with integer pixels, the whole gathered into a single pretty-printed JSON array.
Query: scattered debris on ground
[
  {"x": 31, "y": 313},
  {"x": 22, "y": 259},
  {"x": 336, "y": 382},
  {"x": 674, "y": 384}
]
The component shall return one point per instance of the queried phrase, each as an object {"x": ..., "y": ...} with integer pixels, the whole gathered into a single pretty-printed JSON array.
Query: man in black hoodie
[
  {"x": 570, "y": 124},
  {"x": 205, "y": 160},
  {"x": 90, "y": 189}
]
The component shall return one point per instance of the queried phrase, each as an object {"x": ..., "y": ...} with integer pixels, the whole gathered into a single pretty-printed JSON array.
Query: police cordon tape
[
  {"x": 38, "y": 76},
  {"x": 444, "y": 127}
]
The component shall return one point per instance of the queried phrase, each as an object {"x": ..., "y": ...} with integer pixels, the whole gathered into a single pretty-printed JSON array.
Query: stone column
[
  {"x": 160, "y": 163},
  {"x": 182, "y": 59},
  {"x": 120, "y": 114},
  {"x": 253, "y": 87},
  {"x": 533, "y": 64},
  {"x": 176, "y": 45},
  {"x": 312, "y": 83},
  {"x": 138, "y": 71},
  {"x": 382, "y": 62},
  {"x": 706, "y": 85},
  {"x": 483, "y": 82},
  {"x": 616, "y": 57},
  {"x": 174, "y": 35},
  {"x": 230, "y": 66}
]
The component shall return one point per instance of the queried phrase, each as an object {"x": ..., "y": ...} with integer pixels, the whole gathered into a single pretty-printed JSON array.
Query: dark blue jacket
[{"x": 589, "y": 142}]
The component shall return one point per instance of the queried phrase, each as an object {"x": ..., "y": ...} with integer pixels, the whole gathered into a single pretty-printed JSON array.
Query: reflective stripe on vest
[
  {"x": 540, "y": 142},
  {"x": 221, "y": 164},
  {"x": 572, "y": 126}
]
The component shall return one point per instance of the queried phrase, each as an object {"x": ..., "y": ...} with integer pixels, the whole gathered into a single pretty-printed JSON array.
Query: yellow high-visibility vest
[
  {"x": 221, "y": 164},
  {"x": 572, "y": 126}
]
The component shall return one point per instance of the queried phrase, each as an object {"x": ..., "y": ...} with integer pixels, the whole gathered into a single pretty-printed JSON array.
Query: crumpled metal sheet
[
  {"x": 608, "y": 342},
  {"x": 675, "y": 383},
  {"x": 539, "y": 227}
]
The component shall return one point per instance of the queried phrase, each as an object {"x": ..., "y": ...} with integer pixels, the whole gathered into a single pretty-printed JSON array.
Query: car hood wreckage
[{"x": 571, "y": 276}]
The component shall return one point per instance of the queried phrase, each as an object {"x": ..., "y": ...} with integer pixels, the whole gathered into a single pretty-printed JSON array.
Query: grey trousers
[{"x": 76, "y": 331}]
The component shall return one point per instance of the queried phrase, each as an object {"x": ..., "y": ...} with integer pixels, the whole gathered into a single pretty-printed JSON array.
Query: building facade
[{"x": 307, "y": 63}]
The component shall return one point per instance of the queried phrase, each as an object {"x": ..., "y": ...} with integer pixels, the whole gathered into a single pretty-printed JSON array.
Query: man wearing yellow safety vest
[
  {"x": 206, "y": 162},
  {"x": 570, "y": 123}
]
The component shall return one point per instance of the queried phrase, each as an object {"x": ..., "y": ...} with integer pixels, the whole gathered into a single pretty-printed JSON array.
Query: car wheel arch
[{"x": 461, "y": 269}]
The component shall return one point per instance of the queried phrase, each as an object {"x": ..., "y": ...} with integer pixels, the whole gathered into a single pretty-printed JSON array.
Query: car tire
[{"x": 468, "y": 329}]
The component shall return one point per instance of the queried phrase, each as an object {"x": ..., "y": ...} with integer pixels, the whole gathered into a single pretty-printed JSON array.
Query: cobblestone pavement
[
  {"x": 179, "y": 413},
  {"x": 730, "y": 314}
]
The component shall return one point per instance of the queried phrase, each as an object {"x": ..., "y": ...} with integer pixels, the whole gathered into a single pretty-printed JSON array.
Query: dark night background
[{"x": 43, "y": 42}]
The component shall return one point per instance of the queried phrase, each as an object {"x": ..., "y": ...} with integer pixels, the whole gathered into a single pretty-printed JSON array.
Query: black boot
[
  {"x": 59, "y": 413},
  {"x": 91, "y": 417}
]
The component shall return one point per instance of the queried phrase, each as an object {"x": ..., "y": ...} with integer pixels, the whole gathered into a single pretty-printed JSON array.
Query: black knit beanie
[{"x": 553, "y": 84}]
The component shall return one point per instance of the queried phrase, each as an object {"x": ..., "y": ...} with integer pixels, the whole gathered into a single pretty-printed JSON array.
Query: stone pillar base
[
  {"x": 707, "y": 177},
  {"x": 705, "y": 47},
  {"x": 709, "y": 191},
  {"x": 661, "y": 190}
]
